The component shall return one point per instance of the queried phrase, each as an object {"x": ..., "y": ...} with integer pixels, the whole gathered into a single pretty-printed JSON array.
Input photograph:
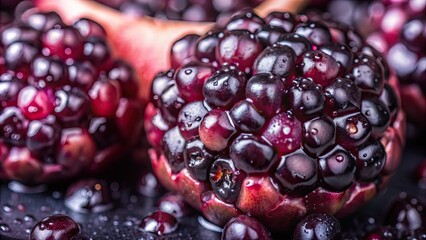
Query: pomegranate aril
[
  {"x": 205, "y": 48},
  {"x": 245, "y": 116},
  {"x": 173, "y": 147},
  {"x": 42, "y": 21},
  {"x": 319, "y": 226},
  {"x": 64, "y": 42},
  {"x": 48, "y": 71},
  {"x": 35, "y": 103},
  {"x": 161, "y": 82},
  {"x": 319, "y": 133},
  {"x": 13, "y": 126},
  {"x": 189, "y": 119},
  {"x": 306, "y": 97},
  {"x": 276, "y": 59},
  {"x": 319, "y": 66},
  {"x": 9, "y": 89},
  {"x": 19, "y": 55},
  {"x": 216, "y": 129},
  {"x": 406, "y": 213},
  {"x": 22, "y": 165},
  {"x": 18, "y": 32},
  {"x": 198, "y": 159},
  {"x": 251, "y": 154},
  {"x": 368, "y": 75},
  {"x": 352, "y": 130},
  {"x": 129, "y": 116},
  {"x": 343, "y": 97},
  {"x": 337, "y": 168},
  {"x": 268, "y": 35},
  {"x": 182, "y": 50},
  {"x": 226, "y": 179},
  {"x": 245, "y": 227},
  {"x": 284, "y": 20},
  {"x": 316, "y": 32},
  {"x": 71, "y": 106},
  {"x": 298, "y": 43},
  {"x": 377, "y": 114},
  {"x": 371, "y": 160},
  {"x": 89, "y": 196},
  {"x": 42, "y": 136},
  {"x": 104, "y": 131},
  {"x": 171, "y": 102},
  {"x": 96, "y": 50},
  {"x": 245, "y": 20},
  {"x": 224, "y": 88},
  {"x": 239, "y": 47},
  {"x": 56, "y": 226},
  {"x": 174, "y": 204},
  {"x": 82, "y": 74},
  {"x": 89, "y": 28},
  {"x": 190, "y": 79},
  {"x": 124, "y": 75},
  {"x": 105, "y": 95},
  {"x": 265, "y": 91},
  {"x": 297, "y": 172},
  {"x": 341, "y": 53},
  {"x": 160, "y": 223},
  {"x": 284, "y": 132}
]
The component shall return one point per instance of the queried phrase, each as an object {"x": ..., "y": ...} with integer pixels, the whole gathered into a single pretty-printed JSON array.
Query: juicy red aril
[
  {"x": 316, "y": 32},
  {"x": 276, "y": 59},
  {"x": 198, "y": 159},
  {"x": 182, "y": 50},
  {"x": 105, "y": 95},
  {"x": 9, "y": 89},
  {"x": 390, "y": 99},
  {"x": 173, "y": 147},
  {"x": 71, "y": 106},
  {"x": 377, "y": 114},
  {"x": 224, "y": 88},
  {"x": 89, "y": 28},
  {"x": 19, "y": 55},
  {"x": 42, "y": 136},
  {"x": 268, "y": 35},
  {"x": 246, "y": 20},
  {"x": 406, "y": 213},
  {"x": 14, "y": 33},
  {"x": 318, "y": 134},
  {"x": 64, "y": 42},
  {"x": 82, "y": 74},
  {"x": 341, "y": 53},
  {"x": 216, "y": 130},
  {"x": 284, "y": 20},
  {"x": 174, "y": 204},
  {"x": 96, "y": 51},
  {"x": 189, "y": 119},
  {"x": 297, "y": 172},
  {"x": 161, "y": 82},
  {"x": 42, "y": 21},
  {"x": 239, "y": 47},
  {"x": 22, "y": 165},
  {"x": 319, "y": 66},
  {"x": 104, "y": 131},
  {"x": 352, "y": 129},
  {"x": 160, "y": 223},
  {"x": 124, "y": 75},
  {"x": 48, "y": 72},
  {"x": 371, "y": 160},
  {"x": 368, "y": 74},
  {"x": 226, "y": 179},
  {"x": 56, "y": 226},
  {"x": 298, "y": 43},
  {"x": 171, "y": 102},
  {"x": 190, "y": 79},
  {"x": 413, "y": 34},
  {"x": 284, "y": 132},
  {"x": 206, "y": 46},
  {"x": 265, "y": 91},
  {"x": 251, "y": 154},
  {"x": 343, "y": 96},
  {"x": 13, "y": 126},
  {"x": 318, "y": 226},
  {"x": 244, "y": 227},
  {"x": 337, "y": 168},
  {"x": 305, "y": 97},
  {"x": 246, "y": 117},
  {"x": 35, "y": 103},
  {"x": 89, "y": 196}
]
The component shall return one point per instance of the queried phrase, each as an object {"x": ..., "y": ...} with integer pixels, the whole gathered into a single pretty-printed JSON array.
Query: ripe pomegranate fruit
[
  {"x": 187, "y": 10},
  {"x": 67, "y": 106},
  {"x": 276, "y": 118}
]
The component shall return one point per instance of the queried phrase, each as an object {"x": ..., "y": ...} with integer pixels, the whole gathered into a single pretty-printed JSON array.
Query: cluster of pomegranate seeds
[
  {"x": 67, "y": 106},
  {"x": 397, "y": 28},
  {"x": 299, "y": 102},
  {"x": 187, "y": 10}
]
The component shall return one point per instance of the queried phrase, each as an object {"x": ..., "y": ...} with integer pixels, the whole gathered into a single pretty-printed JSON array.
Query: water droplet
[
  {"x": 4, "y": 227},
  {"x": 28, "y": 218},
  {"x": 7, "y": 208}
]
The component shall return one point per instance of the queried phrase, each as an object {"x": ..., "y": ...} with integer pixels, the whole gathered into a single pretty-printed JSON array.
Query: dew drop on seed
[
  {"x": 339, "y": 158},
  {"x": 28, "y": 218},
  {"x": 7, "y": 208},
  {"x": 4, "y": 227}
]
